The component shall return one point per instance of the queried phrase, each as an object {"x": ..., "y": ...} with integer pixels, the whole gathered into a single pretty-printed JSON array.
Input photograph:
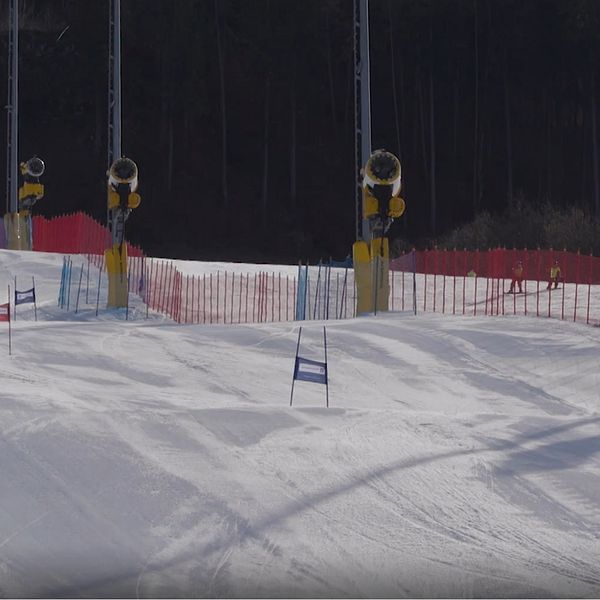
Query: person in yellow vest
[
  {"x": 517, "y": 277},
  {"x": 554, "y": 275}
]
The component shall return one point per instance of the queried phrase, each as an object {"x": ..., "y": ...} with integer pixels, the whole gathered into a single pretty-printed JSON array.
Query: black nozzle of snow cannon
[
  {"x": 34, "y": 167},
  {"x": 383, "y": 166},
  {"x": 124, "y": 170}
]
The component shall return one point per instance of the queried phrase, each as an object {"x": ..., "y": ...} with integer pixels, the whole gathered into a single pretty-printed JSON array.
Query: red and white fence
[
  {"x": 460, "y": 290},
  {"x": 456, "y": 282},
  {"x": 211, "y": 298}
]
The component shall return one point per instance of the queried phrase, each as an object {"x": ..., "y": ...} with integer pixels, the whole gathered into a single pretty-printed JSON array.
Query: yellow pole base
[
  {"x": 380, "y": 273},
  {"x": 116, "y": 268},
  {"x": 18, "y": 230},
  {"x": 362, "y": 277},
  {"x": 371, "y": 274}
]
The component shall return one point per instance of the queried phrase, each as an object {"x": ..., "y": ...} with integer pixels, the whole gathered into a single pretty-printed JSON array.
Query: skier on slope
[
  {"x": 517, "y": 277},
  {"x": 554, "y": 275}
]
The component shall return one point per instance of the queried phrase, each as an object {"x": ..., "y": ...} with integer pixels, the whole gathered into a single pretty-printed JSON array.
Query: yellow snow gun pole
[
  {"x": 381, "y": 204},
  {"x": 122, "y": 199}
]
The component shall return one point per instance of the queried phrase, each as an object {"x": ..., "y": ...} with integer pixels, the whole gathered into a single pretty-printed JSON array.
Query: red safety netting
[
  {"x": 479, "y": 283},
  {"x": 77, "y": 233},
  {"x": 498, "y": 263}
]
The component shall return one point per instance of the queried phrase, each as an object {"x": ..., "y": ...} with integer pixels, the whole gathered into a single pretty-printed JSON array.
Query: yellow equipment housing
[
  {"x": 396, "y": 205},
  {"x": 29, "y": 194},
  {"x": 114, "y": 199}
]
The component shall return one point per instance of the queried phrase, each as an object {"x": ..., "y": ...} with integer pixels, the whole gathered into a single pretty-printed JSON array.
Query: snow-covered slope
[{"x": 459, "y": 455}]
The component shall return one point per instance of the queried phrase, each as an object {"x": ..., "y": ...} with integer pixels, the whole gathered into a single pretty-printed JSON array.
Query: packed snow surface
[{"x": 459, "y": 456}]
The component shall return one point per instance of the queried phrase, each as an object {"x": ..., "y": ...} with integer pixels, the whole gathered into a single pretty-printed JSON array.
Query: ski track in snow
[{"x": 460, "y": 456}]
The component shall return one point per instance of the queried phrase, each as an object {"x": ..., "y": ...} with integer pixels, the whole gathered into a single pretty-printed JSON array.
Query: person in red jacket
[{"x": 517, "y": 277}]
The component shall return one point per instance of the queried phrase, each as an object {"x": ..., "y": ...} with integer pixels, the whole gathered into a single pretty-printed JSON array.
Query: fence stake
[
  {"x": 232, "y": 295},
  {"x": 210, "y": 300},
  {"x": 148, "y": 275},
  {"x": 240, "y": 300},
  {"x": 193, "y": 298},
  {"x": 587, "y": 318},
  {"x": 444, "y": 294},
  {"x": 562, "y": 314},
  {"x": 576, "y": 286},
  {"x": 278, "y": 294},
  {"x": 453, "y": 293},
  {"x": 487, "y": 291},
  {"x": 79, "y": 288},
  {"x": 272, "y": 295},
  {"x": 99, "y": 283},
  {"x": 87, "y": 289},
  {"x": 247, "y": 290}
]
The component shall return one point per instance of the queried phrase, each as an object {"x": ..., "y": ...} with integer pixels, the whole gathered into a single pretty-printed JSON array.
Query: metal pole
[
  {"x": 117, "y": 81},
  {"x": 34, "y": 298},
  {"x": 326, "y": 367},
  {"x": 13, "y": 108},
  {"x": 295, "y": 363},
  {"x": 362, "y": 107},
  {"x": 79, "y": 289},
  {"x": 9, "y": 329},
  {"x": 99, "y": 284},
  {"x": 114, "y": 92},
  {"x": 114, "y": 82}
]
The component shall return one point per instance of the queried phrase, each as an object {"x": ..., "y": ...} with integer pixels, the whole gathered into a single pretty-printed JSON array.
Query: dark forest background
[{"x": 240, "y": 115}]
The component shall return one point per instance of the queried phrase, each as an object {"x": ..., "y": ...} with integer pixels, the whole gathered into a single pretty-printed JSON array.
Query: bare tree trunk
[
  {"x": 584, "y": 158},
  {"x": 420, "y": 103},
  {"x": 549, "y": 119},
  {"x": 331, "y": 80},
  {"x": 456, "y": 98},
  {"x": 507, "y": 121},
  {"x": 293, "y": 141},
  {"x": 476, "y": 113},
  {"x": 595, "y": 143},
  {"x": 540, "y": 192},
  {"x": 348, "y": 118},
  {"x": 170, "y": 162},
  {"x": 432, "y": 190},
  {"x": 221, "y": 61},
  {"x": 100, "y": 121},
  {"x": 394, "y": 89},
  {"x": 265, "y": 190}
]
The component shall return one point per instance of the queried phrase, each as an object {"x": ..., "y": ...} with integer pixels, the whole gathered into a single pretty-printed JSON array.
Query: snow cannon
[
  {"x": 122, "y": 199},
  {"x": 382, "y": 180},
  {"x": 381, "y": 204},
  {"x": 122, "y": 185},
  {"x": 18, "y": 224},
  {"x": 31, "y": 190}
]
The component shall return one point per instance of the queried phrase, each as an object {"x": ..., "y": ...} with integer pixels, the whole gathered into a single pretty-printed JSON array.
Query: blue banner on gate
[
  {"x": 310, "y": 370},
  {"x": 25, "y": 296}
]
